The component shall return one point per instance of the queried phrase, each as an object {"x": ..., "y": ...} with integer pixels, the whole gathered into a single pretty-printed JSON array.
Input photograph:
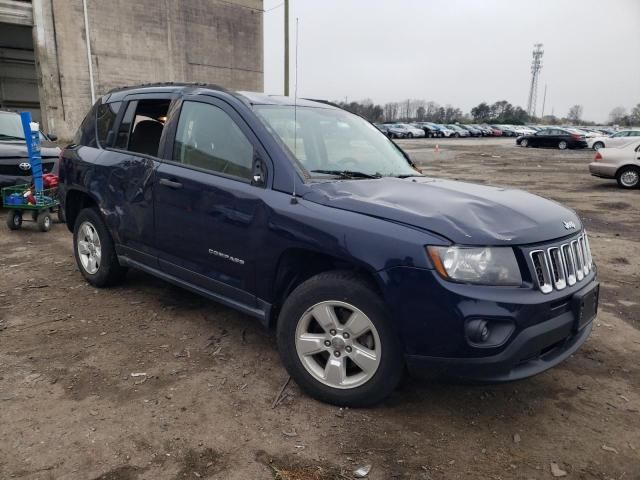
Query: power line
[{"x": 273, "y": 8}]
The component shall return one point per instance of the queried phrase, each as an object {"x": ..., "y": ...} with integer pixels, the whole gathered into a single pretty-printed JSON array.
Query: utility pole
[
  {"x": 286, "y": 48},
  {"x": 536, "y": 66}
]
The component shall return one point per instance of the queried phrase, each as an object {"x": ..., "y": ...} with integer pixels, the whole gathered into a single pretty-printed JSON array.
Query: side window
[
  {"x": 208, "y": 138},
  {"x": 105, "y": 119},
  {"x": 86, "y": 134},
  {"x": 141, "y": 126}
]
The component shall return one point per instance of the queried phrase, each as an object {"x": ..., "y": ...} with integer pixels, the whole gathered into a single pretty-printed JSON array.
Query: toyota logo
[{"x": 24, "y": 166}]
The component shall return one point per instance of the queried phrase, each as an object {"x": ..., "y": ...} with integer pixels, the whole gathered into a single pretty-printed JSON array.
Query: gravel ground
[{"x": 146, "y": 381}]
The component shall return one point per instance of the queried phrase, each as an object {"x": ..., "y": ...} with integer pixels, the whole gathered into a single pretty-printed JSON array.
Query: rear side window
[
  {"x": 142, "y": 125},
  {"x": 208, "y": 138},
  {"x": 105, "y": 120},
  {"x": 86, "y": 134}
]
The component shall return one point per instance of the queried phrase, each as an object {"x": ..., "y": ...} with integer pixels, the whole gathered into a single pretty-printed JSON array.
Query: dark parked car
[
  {"x": 430, "y": 131},
  {"x": 15, "y": 167},
  {"x": 473, "y": 131},
  {"x": 322, "y": 228},
  {"x": 561, "y": 138}
]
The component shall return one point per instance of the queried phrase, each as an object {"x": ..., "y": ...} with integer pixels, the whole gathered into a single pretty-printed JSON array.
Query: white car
[
  {"x": 522, "y": 130},
  {"x": 618, "y": 139},
  {"x": 623, "y": 164},
  {"x": 414, "y": 132}
]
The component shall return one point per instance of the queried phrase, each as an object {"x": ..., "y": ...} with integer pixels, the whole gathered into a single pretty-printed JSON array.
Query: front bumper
[
  {"x": 431, "y": 316},
  {"x": 11, "y": 180},
  {"x": 532, "y": 351}
]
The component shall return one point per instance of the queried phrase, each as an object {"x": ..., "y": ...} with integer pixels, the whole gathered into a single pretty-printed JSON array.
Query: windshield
[
  {"x": 10, "y": 127},
  {"x": 331, "y": 139}
]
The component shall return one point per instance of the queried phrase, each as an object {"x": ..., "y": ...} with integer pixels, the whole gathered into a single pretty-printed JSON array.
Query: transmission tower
[{"x": 536, "y": 66}]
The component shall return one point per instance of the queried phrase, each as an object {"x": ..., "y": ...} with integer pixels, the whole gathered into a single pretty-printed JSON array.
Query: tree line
[{"x": 500, "y": 112}]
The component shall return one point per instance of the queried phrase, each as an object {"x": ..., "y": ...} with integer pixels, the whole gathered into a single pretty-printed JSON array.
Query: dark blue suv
[{"x": 309, "y": 219}]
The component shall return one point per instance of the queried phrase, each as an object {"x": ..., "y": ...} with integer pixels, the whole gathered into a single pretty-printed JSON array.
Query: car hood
[
  {"x": 465, "y": 213},
  {"x": 19, "y": 150}
]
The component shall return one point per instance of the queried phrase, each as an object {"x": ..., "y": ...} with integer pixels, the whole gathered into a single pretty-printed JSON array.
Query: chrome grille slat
[
  {"x": 577, "y": 255},
  {"x": 563, "y": 265},
  {"x": 569, "y": 263},
  {"x": 557, "y": 268}
]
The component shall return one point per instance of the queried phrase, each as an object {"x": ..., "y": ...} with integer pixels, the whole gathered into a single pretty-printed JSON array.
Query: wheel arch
[
  {"x": 76, "y": 200},
  {"x": 632, "y": 165},
  {"x": 296, "y": 265}
]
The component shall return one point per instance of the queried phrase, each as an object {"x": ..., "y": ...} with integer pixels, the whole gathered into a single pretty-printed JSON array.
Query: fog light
[{"x": 478, "y": 331}]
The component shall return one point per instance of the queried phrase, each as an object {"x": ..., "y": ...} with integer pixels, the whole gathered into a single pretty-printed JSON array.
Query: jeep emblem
[
  {"x": 569, "y": 225},
  {"x": 24, "y": 166}
]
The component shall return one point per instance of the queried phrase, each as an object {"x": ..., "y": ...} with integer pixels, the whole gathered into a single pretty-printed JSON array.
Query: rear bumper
[
  {"x": 603, "y": 170},
  {"x": 535, "y": 349}
]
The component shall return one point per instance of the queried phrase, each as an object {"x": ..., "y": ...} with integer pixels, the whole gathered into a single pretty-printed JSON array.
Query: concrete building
[{"x": 47, "y": 65}]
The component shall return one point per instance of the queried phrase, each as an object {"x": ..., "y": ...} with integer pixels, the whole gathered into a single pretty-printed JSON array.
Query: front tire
[
  {"x": 336, "y": 341},
  {"x": 598, "y": 145},
  {"x": 14, "y": 220},
  {"x": 524, "y": 143},
  {"x": 94, "y": 250},
  {"x": 563, "y": 145},
  {"x": 628, "y": 177}
]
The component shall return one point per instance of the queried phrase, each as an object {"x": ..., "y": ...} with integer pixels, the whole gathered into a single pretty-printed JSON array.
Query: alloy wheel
[
  {"x": 630, "y": 178},
  {"x": 89, "y": 248},
  {"x": 338, "y": 344}
]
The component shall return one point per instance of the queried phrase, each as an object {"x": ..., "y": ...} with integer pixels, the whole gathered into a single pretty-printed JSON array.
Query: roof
[
  {"x": 253, "y": 98},
  {"x": 256, "y": 98}
]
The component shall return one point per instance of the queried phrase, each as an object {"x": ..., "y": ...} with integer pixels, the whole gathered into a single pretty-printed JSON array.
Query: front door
[{"x": 206, "y": 202}]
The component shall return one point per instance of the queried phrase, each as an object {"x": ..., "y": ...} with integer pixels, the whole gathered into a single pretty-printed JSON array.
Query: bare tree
[
  {"x": 617, "y": 115},
  {"x": 575, "y": 114}
]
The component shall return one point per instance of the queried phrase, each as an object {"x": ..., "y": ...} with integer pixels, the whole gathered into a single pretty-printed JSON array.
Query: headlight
[{"x": 484, "y": 265}]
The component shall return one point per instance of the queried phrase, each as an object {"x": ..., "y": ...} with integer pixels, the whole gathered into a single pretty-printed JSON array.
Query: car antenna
[{"x": 294, "y": 199}]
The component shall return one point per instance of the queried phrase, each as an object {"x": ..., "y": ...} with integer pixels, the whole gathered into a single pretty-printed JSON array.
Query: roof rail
[{"x": 168, "y": 84}]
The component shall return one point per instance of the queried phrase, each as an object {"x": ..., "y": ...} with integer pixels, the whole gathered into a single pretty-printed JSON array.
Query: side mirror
[
  {"x": 259, "y": 173},
  {"x": 52, "y": 137}
]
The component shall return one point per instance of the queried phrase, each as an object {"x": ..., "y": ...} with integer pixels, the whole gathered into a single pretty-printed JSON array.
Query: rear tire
[
  {"x": 524, "y": 143},
  {"x": 321, "y": 343},
  {"x": 598, "y": 145},
  {"x": 563, "y": 145},
  {"x": 628, "y": 177},
  {"x": 94, "y": 250},
  {"x": 14, "y": 219},
  {"x": 44, "y": 221}
]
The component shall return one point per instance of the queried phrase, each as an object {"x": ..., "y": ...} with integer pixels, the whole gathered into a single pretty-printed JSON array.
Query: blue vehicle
[{"x": 309, "y": 219}]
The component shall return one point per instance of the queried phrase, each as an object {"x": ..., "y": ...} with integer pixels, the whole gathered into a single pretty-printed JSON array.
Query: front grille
[
  {"x": 15, "y": 171},
  {"x": 559, "y": 266}
]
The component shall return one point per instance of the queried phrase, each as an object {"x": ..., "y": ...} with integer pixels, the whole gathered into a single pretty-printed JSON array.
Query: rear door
[
  {"x": 207, "y": 203},
  {"x": 618, "y": 140},
  {"x": 133, "y": 150}
]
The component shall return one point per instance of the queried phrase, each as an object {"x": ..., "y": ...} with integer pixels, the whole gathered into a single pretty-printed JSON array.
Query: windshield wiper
[
  {"x": 9, "y": 137},
  {"x": 409, "y": 175},
  {"x": 348, "y": 173}
]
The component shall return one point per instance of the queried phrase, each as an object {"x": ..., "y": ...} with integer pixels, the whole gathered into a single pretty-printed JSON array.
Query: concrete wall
[{"x": 132, "y": 42}]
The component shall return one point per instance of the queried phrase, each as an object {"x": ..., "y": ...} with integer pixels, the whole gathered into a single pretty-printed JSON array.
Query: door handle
[{"x": 170, "y": 183}]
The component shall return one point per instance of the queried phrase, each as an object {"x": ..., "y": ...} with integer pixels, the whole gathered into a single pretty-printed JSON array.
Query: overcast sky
[{"x": 461, "y": 52}]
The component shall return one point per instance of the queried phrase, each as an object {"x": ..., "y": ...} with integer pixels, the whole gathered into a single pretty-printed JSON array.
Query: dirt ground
[{"x": 146, "y": 381}]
